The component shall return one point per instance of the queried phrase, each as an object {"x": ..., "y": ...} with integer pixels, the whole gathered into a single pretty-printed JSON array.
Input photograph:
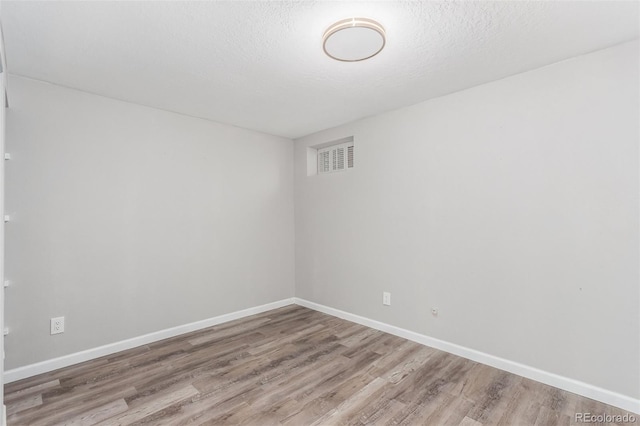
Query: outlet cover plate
[
  {"x": 386, "y": 298},
  {"x": 57, "y": 325}
]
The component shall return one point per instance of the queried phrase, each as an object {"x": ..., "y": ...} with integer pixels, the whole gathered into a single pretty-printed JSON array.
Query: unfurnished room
[{"x": 320, "y": 213}]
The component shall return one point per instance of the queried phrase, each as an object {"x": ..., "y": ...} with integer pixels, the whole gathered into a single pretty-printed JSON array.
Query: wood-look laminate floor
[{"x": 290, "y": 366}]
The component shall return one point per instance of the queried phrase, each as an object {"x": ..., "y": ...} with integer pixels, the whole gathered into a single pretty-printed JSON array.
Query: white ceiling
[{"x": 260, "y": 65}]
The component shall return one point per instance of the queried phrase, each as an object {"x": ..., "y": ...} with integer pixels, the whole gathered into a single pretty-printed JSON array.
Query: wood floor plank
[
  {"x": 228, "y": 332},
  {"x": 97, "y": 414},
  {"x": 23, "y": 404},
  {"x": 458, "y": 411},
  {"x": 48, "y": 414},
  {"x": 290, "y": 366},
  {"x": 383, "y": 417},
  {"x": 23, "y": 393},
  {"x": 467, "y": 421},
  {"x": 489, "y": 408},
  {"x": 288, "y": 386},
  {"x": 103, "y": 388},
  {"x": 343, "y": 371},
  {"x": 135, "y": 413},
  {"x": 406, "y": 367},
  {"x": 348, "y": 408},
  {"x": 59, "y": 374},
  {"x": 217, "y": 404},
  {"x": 441, "y": 412},
  {"x": 321, "y": 405},
  {"x": 271, "y": 414},
  {"x": 271, "y": 344},
  {"x": 419, "y": 410},
  {"x": 519, "y": 408}
]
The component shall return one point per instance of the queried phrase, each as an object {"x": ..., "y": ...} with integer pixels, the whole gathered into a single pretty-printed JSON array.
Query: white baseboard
[
  {"x": 575, "y": 386},
  {"x": 89, "y": 354}
]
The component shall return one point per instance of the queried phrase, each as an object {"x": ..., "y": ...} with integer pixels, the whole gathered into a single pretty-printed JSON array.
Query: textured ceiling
[{"x": 260, "y": 65}]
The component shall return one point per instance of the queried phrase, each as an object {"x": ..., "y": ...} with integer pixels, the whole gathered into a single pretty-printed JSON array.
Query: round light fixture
[{"x": 353, "y": 39}]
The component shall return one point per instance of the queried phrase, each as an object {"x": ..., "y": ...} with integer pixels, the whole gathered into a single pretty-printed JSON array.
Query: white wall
[
  {"x": 129, "y": 220},
  {"x": 512, "y": 207}
]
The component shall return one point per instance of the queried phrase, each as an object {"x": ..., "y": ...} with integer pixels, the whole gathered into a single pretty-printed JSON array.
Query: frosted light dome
[{"x": 354, "y": 39}]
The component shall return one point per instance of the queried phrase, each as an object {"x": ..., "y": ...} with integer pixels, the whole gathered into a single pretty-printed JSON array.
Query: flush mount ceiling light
[{"x": 353, "y": 39}]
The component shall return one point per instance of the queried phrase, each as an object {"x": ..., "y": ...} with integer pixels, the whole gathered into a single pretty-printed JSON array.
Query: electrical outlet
[
  {"x": 386, "y": 298},
  {"x": 57, "y": 325}
]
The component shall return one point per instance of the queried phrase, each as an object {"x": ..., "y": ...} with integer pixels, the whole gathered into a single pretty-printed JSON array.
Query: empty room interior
[{"x": 320, "y": 212}]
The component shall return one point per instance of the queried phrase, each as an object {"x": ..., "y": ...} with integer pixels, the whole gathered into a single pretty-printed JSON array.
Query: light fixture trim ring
[{"x": 354, "y": 23}]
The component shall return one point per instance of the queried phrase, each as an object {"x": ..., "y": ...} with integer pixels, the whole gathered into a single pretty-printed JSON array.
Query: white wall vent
[{"x": 336, "y": 157}]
